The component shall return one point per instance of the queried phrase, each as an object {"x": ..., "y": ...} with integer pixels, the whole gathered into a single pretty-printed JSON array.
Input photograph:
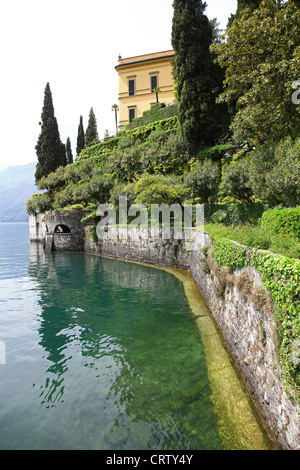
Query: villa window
[
  {"x": 154, "y": 82},
  {"x": 131, "y": 87},
  {"x": 131, "y": 114}
]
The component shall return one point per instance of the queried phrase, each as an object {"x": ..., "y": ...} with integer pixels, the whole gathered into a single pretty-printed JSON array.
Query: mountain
[{"x": 17, "y": 184}]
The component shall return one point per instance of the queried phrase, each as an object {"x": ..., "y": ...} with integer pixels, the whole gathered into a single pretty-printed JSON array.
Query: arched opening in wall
[{"x": 62, "y": 229}]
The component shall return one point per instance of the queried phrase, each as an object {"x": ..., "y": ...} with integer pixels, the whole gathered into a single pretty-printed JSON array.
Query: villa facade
[{"x": 138, "y": 78}]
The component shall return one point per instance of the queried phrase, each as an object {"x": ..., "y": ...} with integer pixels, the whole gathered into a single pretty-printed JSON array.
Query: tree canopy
[
  {"x": 49, "y": 149},
  {"x": 91, "y": 133},
  {"x": 194, "y": 72},
  {"x": 261, "y": 57}
]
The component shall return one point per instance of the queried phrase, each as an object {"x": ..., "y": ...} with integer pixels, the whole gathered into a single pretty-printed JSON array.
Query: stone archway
[{"x": 61, "y": 228}]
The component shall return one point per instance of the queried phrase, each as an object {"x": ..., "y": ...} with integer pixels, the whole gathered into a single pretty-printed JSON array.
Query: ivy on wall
[
  {"x": 281, "y": 277},
  {"x": 227, "y": 253}
]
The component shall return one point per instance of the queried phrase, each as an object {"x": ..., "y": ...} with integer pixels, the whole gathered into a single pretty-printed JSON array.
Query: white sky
[{"x": 73, "y": 45}]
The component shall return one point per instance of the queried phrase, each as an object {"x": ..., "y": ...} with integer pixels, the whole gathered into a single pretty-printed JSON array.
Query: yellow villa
[{"x": 138, "y": 77}]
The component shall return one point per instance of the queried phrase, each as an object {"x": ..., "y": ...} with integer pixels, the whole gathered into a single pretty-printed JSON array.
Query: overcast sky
[{"x": 73, "y": 45}]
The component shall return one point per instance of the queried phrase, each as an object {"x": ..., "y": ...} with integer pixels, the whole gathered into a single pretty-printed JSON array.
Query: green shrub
[
  {"x": 274, "y": 173},
  {"x": 123, "y": 155},
  {"x": 286, "y": 221},
  {"x": 69, "y": 174},
  {"x": 144, "y": 132},
  {"x": 262, "y": 161},
  {"x": 124, "y": 163},
  {"x": 90, "y": 217},
  {"x": 283, "y": 182},
  {"x": 257, "y": 237},
  {"x": 122, "y": 190},
  {"x": 165, "y": 153},
  {"x": 99, "y": 188},
  {"x": 77, "y": 207},
  {"x": 39, "y": 203},
  {"x": 236, "y": 182},
  {"x": 203, "y": 181},
  {"x": 96, "y": 190},
  {"x": 227, "y": 253},
  {"x": 215, "y": 153},
  {"x": 159, "y": 189}
]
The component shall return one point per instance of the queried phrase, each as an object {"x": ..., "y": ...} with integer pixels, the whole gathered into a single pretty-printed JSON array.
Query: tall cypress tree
[
  {"x": 63, "y": 154},
  {"x": 80, "y": 137},
  {"x": 69, "y": 154},
  {"x": 49, "y": 146},
  {"x": 194, "y": 72},
  {"x": 91, "y": 131}
]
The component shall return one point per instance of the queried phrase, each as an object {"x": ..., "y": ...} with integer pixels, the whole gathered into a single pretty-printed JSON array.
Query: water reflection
[
  {"x": 105, "y": 354},
  {"x": 121, "y": 338}
]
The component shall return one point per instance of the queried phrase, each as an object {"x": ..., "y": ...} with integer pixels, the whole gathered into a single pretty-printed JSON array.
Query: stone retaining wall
[
  {"x": 43, "y": 228},
  {"x": 37, "y": 228}
]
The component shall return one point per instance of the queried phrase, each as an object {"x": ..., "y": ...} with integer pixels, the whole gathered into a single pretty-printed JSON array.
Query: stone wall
[
  {"x": 69, "y": 218},
  {"x": 248, "y": 330},
  {"x": 37, "y": 228},
  {"x": 45, "y": 228}
]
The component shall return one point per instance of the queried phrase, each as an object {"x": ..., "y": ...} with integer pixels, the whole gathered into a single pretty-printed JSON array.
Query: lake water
[{"x": 101, "y": 354}]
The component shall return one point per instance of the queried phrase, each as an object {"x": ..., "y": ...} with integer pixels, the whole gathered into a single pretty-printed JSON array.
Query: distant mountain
[{"x": 17, "y": 184}]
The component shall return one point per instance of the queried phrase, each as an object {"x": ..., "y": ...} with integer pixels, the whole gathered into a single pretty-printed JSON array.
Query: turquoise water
[{"x": 99, "y": 354}]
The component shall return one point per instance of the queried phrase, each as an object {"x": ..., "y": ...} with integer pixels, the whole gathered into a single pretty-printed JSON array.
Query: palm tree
[
  {"x": 156, "y": 90},
  {"x": 115, "y": 108}
]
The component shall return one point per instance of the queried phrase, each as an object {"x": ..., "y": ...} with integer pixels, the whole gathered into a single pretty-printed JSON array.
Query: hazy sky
[{"x": 73, "y": 45}]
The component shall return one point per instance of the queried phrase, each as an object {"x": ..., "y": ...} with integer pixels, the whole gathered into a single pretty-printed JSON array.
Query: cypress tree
[
  {"x": 49, "y": 146},
  {"x": 91, "y": 133},
  {"x": 80, "y": 137},
  {"x": 69, "y": 154},
  {"x": 194, "y": 72},
  {"x": 63, "y": 154}
]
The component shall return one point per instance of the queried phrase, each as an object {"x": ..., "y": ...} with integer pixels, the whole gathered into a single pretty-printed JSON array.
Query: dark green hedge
[
  {"x": 157, "y": 112},
  {"x": 286, "y": 221}
]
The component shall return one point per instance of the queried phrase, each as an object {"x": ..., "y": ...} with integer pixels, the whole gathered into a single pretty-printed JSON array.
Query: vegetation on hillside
[
  {"x": 253, "y": 161},
  {"x": 232, "y": 146}
]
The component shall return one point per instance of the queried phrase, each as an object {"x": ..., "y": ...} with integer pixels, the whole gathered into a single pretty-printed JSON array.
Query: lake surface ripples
[{"x": 99, "y": 354}]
